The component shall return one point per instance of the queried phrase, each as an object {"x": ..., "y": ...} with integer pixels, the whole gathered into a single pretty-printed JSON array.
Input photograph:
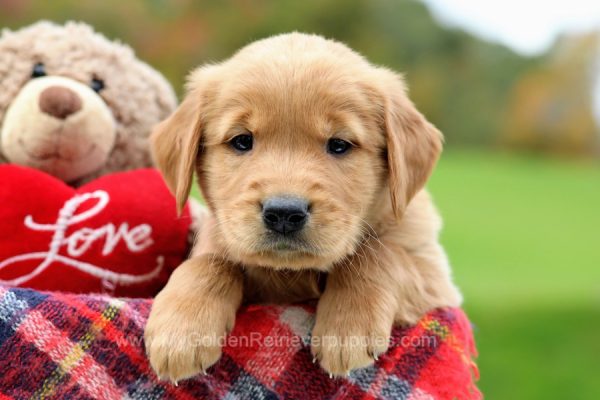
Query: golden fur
[{"x": 372, "y": 233}]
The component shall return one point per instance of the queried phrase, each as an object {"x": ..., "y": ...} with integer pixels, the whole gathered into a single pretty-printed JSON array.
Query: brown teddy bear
[
  {"x": 76, "y": 105},
  {"x": 76, "y": 108}
]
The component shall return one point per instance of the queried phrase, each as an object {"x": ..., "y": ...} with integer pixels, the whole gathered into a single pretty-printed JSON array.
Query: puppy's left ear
[{"x": 413, "y": 144}]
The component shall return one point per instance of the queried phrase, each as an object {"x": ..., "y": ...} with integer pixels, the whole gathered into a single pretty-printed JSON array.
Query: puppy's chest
[{"x": 264, "y": 285}]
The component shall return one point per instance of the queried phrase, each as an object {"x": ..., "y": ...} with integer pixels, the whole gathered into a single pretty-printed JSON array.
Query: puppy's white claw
[
  {"x": 204, "y": 372},
  {"x": 314, "y": 360},
  {"x": 330, "y": 375},
  {"x": 174, "y": 382},
  {"x": 376, "y": 357}
]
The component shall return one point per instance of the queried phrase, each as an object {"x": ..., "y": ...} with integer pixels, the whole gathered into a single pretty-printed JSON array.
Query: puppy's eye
[
  {"x": 38, "y": 71},
  {"x": 97, "y": 85},
  {"x": 338, "y": 146},
  {"x": 242, "y": 143}
]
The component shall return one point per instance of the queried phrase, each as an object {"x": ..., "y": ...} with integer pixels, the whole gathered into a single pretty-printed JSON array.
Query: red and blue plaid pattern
[{"x": 65, "y": 346}]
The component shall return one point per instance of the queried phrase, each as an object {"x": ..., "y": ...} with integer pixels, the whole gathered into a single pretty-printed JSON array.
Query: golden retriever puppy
[{"x": 312, "y": 162}]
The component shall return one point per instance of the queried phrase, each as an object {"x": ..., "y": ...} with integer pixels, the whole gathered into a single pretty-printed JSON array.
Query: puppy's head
[{"x": 300, "y": 146}]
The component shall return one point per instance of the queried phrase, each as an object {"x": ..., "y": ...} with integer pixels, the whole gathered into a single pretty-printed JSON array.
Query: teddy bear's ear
[{"x": 175, "y": 143}]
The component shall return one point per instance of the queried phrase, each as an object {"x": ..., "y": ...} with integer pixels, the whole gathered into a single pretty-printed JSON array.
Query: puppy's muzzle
[{"x": 285, "y": 214}]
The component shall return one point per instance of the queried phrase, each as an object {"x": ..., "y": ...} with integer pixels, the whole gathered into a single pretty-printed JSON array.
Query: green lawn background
[{"x": 523, "y": 236}]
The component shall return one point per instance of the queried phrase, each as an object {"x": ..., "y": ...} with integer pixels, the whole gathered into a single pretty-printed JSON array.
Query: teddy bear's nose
[{"x": 60, "y": 102}]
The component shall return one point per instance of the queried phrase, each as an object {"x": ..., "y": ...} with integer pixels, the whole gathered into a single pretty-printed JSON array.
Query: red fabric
[
  {"x": 65, "y": 346},
  {"x": 118, "y": 234}
]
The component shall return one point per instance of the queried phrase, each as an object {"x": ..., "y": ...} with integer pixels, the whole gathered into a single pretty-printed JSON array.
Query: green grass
[{"x": 523, "y": 236}]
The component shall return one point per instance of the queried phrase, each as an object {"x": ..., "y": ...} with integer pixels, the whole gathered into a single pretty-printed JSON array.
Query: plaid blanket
[{"x": 65, "y": 346}]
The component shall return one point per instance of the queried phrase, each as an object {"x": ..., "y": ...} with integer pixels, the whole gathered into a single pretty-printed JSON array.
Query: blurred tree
[{"x": 551, "y": 106}]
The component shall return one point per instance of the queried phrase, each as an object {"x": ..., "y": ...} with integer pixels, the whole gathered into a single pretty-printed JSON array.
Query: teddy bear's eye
[
  {"x": 39, "y": 70},
  {"x": 97, "y": 85}
]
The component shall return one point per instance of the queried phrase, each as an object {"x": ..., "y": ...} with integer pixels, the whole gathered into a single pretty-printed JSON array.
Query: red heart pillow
[{"x": 119, "y": 234}]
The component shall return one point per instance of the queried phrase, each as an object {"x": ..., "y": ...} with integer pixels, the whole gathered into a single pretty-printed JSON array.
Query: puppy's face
[
  {"x": 291, "y": 167},
  {"x": 299, "y": 145}
]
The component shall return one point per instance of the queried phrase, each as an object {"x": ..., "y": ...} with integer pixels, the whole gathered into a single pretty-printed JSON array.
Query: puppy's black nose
[{"x": 285, "y": 214}]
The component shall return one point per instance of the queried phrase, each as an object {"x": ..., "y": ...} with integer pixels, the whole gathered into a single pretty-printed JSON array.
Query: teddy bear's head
[{"x": 74, "y": 104}]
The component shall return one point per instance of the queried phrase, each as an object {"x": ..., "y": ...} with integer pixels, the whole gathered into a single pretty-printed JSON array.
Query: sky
[{"x": 527, "y": 26}]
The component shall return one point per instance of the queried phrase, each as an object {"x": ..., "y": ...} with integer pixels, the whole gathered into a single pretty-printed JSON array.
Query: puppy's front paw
[
  {"x": 182, "y": 341},
  {"x": 347, "y": 342}
]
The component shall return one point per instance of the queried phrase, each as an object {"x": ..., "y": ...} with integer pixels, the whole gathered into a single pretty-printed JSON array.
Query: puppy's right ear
[
  {"x": 175, "y": 141},
  {"x": 175, "y": 144}
]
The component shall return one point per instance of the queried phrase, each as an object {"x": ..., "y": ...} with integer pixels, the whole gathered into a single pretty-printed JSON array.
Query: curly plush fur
[{"x": 137, "y": 96}]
